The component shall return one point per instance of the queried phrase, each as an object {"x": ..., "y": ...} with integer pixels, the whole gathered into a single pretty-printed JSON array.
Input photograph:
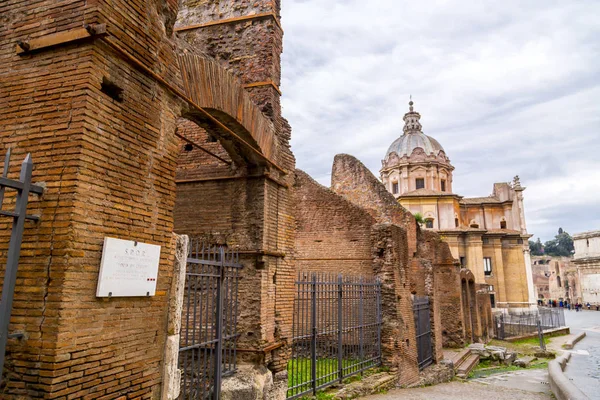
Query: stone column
[
  {"x": 405, "y": 180},
  {"x": 529, "y": 274},
  {"x": 474, "y": 256},
  {"x": 500, "y": 288}
]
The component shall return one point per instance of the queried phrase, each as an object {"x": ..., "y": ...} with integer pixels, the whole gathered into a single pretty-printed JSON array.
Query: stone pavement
[
  {"x": 584, "y": 367},
  {"x": 460, "y": 391}
]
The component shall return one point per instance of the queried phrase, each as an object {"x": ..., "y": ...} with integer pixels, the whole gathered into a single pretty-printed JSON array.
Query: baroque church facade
[{"x": 488, "y": 235}]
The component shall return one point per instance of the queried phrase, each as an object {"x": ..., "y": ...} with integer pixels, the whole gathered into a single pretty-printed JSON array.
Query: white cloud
[{"x": 506, "y": 87}]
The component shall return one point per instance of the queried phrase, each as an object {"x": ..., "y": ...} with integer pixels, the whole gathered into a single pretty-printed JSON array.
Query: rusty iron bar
[
  {"x": 23, "y": 187},
  {"x": 231, "y": 21},
  {"x": 179, "y": 135}
]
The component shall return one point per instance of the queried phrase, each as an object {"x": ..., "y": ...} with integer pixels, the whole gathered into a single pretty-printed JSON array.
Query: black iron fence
[
  {"x": 421, "y": 310},
  {"x": 207, "y": 350},
  {"x": 512, "y": 324},
  {"x": 336, "y": 330}
]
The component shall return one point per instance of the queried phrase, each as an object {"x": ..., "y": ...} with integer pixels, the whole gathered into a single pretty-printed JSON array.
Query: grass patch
[
  {"x": 488, "y": 367},
  {"x": 299, "y": 372},
  {"x": 530, "y": 341},
  {"x": 524, "y": 346}
]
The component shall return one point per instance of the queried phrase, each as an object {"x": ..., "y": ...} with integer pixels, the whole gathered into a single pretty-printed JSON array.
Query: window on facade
[
  {"x": 429, "y": 223},
  {"x": 486, "y": 240},
  {"x": 463, "y": 262},
  {"x": 519, "y": 241},
  {"x": 456, "y": 222},
  {"x": 487, "y": 266},
  {"x": 420, "y": 182},
  {"x": 474, "y": 225},
  {"x": 491, "y": 288},
  {"x": 395, "y": 187},
  {"x": 502, "y": 224},
  {"x": 493, "y": 300},
  {"x": 558, "y": 281},
  {"x": 443, "y": 185}
]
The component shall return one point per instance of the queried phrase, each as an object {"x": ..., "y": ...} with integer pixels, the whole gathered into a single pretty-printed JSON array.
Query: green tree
[
  {"x": 536, "y": 248},
  {"x": 562, "y": 245}
]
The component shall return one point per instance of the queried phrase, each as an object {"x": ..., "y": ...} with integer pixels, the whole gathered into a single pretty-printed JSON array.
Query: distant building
[
  {"x": 587, "y": 261},
  {"x": 487, "y": 234},
  {"x": 556, "y": 278}
]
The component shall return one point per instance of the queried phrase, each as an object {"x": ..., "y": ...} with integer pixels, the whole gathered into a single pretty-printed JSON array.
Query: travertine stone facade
[
  {"x": 487, "y": 234},
  {"x": 587, "y": 261}
]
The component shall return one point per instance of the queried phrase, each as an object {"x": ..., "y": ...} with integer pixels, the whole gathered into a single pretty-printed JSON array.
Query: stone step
[
  {"x": 467, "y": 366},
  {"x": 460, "y": 357}
]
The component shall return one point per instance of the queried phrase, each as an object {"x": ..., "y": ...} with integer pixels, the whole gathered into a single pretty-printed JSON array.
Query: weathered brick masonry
[
  {"x": 109, "y": 165},
  {"x": 334, "y": 235},
  {"x": 428, "y": 258},
  {"x": 333, "y": 226}
]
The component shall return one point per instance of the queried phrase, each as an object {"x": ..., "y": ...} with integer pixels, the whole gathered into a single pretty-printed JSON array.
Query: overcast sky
[{"x": 507, "y": 88}]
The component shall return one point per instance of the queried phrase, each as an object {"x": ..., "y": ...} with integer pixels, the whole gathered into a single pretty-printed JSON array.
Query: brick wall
[
  {"x": 109, "y": 167},
  {"x": 244, "y": 205},
  {"x": 333, "y": 235},
  {"x": 399, "y": 346}
]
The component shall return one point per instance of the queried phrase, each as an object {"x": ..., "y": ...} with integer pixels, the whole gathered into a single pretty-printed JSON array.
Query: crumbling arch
[{"x": 222, "y": 105}]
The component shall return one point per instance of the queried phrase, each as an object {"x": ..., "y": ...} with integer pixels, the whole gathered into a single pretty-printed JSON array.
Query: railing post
[
  {"x": 541, "y": 335},
  {"x": 379, "y": 320},
  {"x": 219, "y": 327},
  {"x": 14, "y": 251},
  {"x": 313, "y": 323},
  {"x": 340, "y": 328},
  {"x": 361, "y": 328}
]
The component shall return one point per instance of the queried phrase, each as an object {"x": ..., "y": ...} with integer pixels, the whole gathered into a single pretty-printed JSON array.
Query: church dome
[
  {"x": 405, "y": 144},
  {"x": 413, "y": 138}
]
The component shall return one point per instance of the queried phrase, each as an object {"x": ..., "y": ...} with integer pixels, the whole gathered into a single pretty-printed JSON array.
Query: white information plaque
[{"x": 128, "y": 268}]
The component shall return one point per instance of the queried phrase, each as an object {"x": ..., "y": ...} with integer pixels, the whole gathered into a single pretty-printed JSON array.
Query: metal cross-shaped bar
[{"x": 23, "y": 187}]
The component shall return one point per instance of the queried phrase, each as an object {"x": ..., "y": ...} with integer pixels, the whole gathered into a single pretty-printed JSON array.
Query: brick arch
[
  {"x": 467, "y": 275},
  {"x": 220, "y": 93}
]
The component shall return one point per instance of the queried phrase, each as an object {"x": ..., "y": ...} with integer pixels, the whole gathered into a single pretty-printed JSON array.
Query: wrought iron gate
[
  {"x": 207, "y": 350},
  {"x": 421, "y": 310},
  {"x": 23, "y": 187},
  {"x": 336, "y": 330}
]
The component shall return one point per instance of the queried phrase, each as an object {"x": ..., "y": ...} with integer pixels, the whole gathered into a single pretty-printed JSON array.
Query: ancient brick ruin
[{"x": 145, "y": 119}]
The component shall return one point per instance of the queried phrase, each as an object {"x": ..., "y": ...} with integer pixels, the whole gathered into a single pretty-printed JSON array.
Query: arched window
[
  {"x": 395, "y": 187},
  {"x": 443, "y": 185},
  {"x": 474, "y": 224},
  {"x": 503, "y": 224},
  {"x": 429, "y": 223},
  {"x": 456, "y": 222}
]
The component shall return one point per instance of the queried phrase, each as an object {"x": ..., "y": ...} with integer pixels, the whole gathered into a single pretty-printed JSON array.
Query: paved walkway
[
  {"x": 584, "y": 367},
  {"x": 460, "y": 391},
  {"x": 530, "y": 384}
]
